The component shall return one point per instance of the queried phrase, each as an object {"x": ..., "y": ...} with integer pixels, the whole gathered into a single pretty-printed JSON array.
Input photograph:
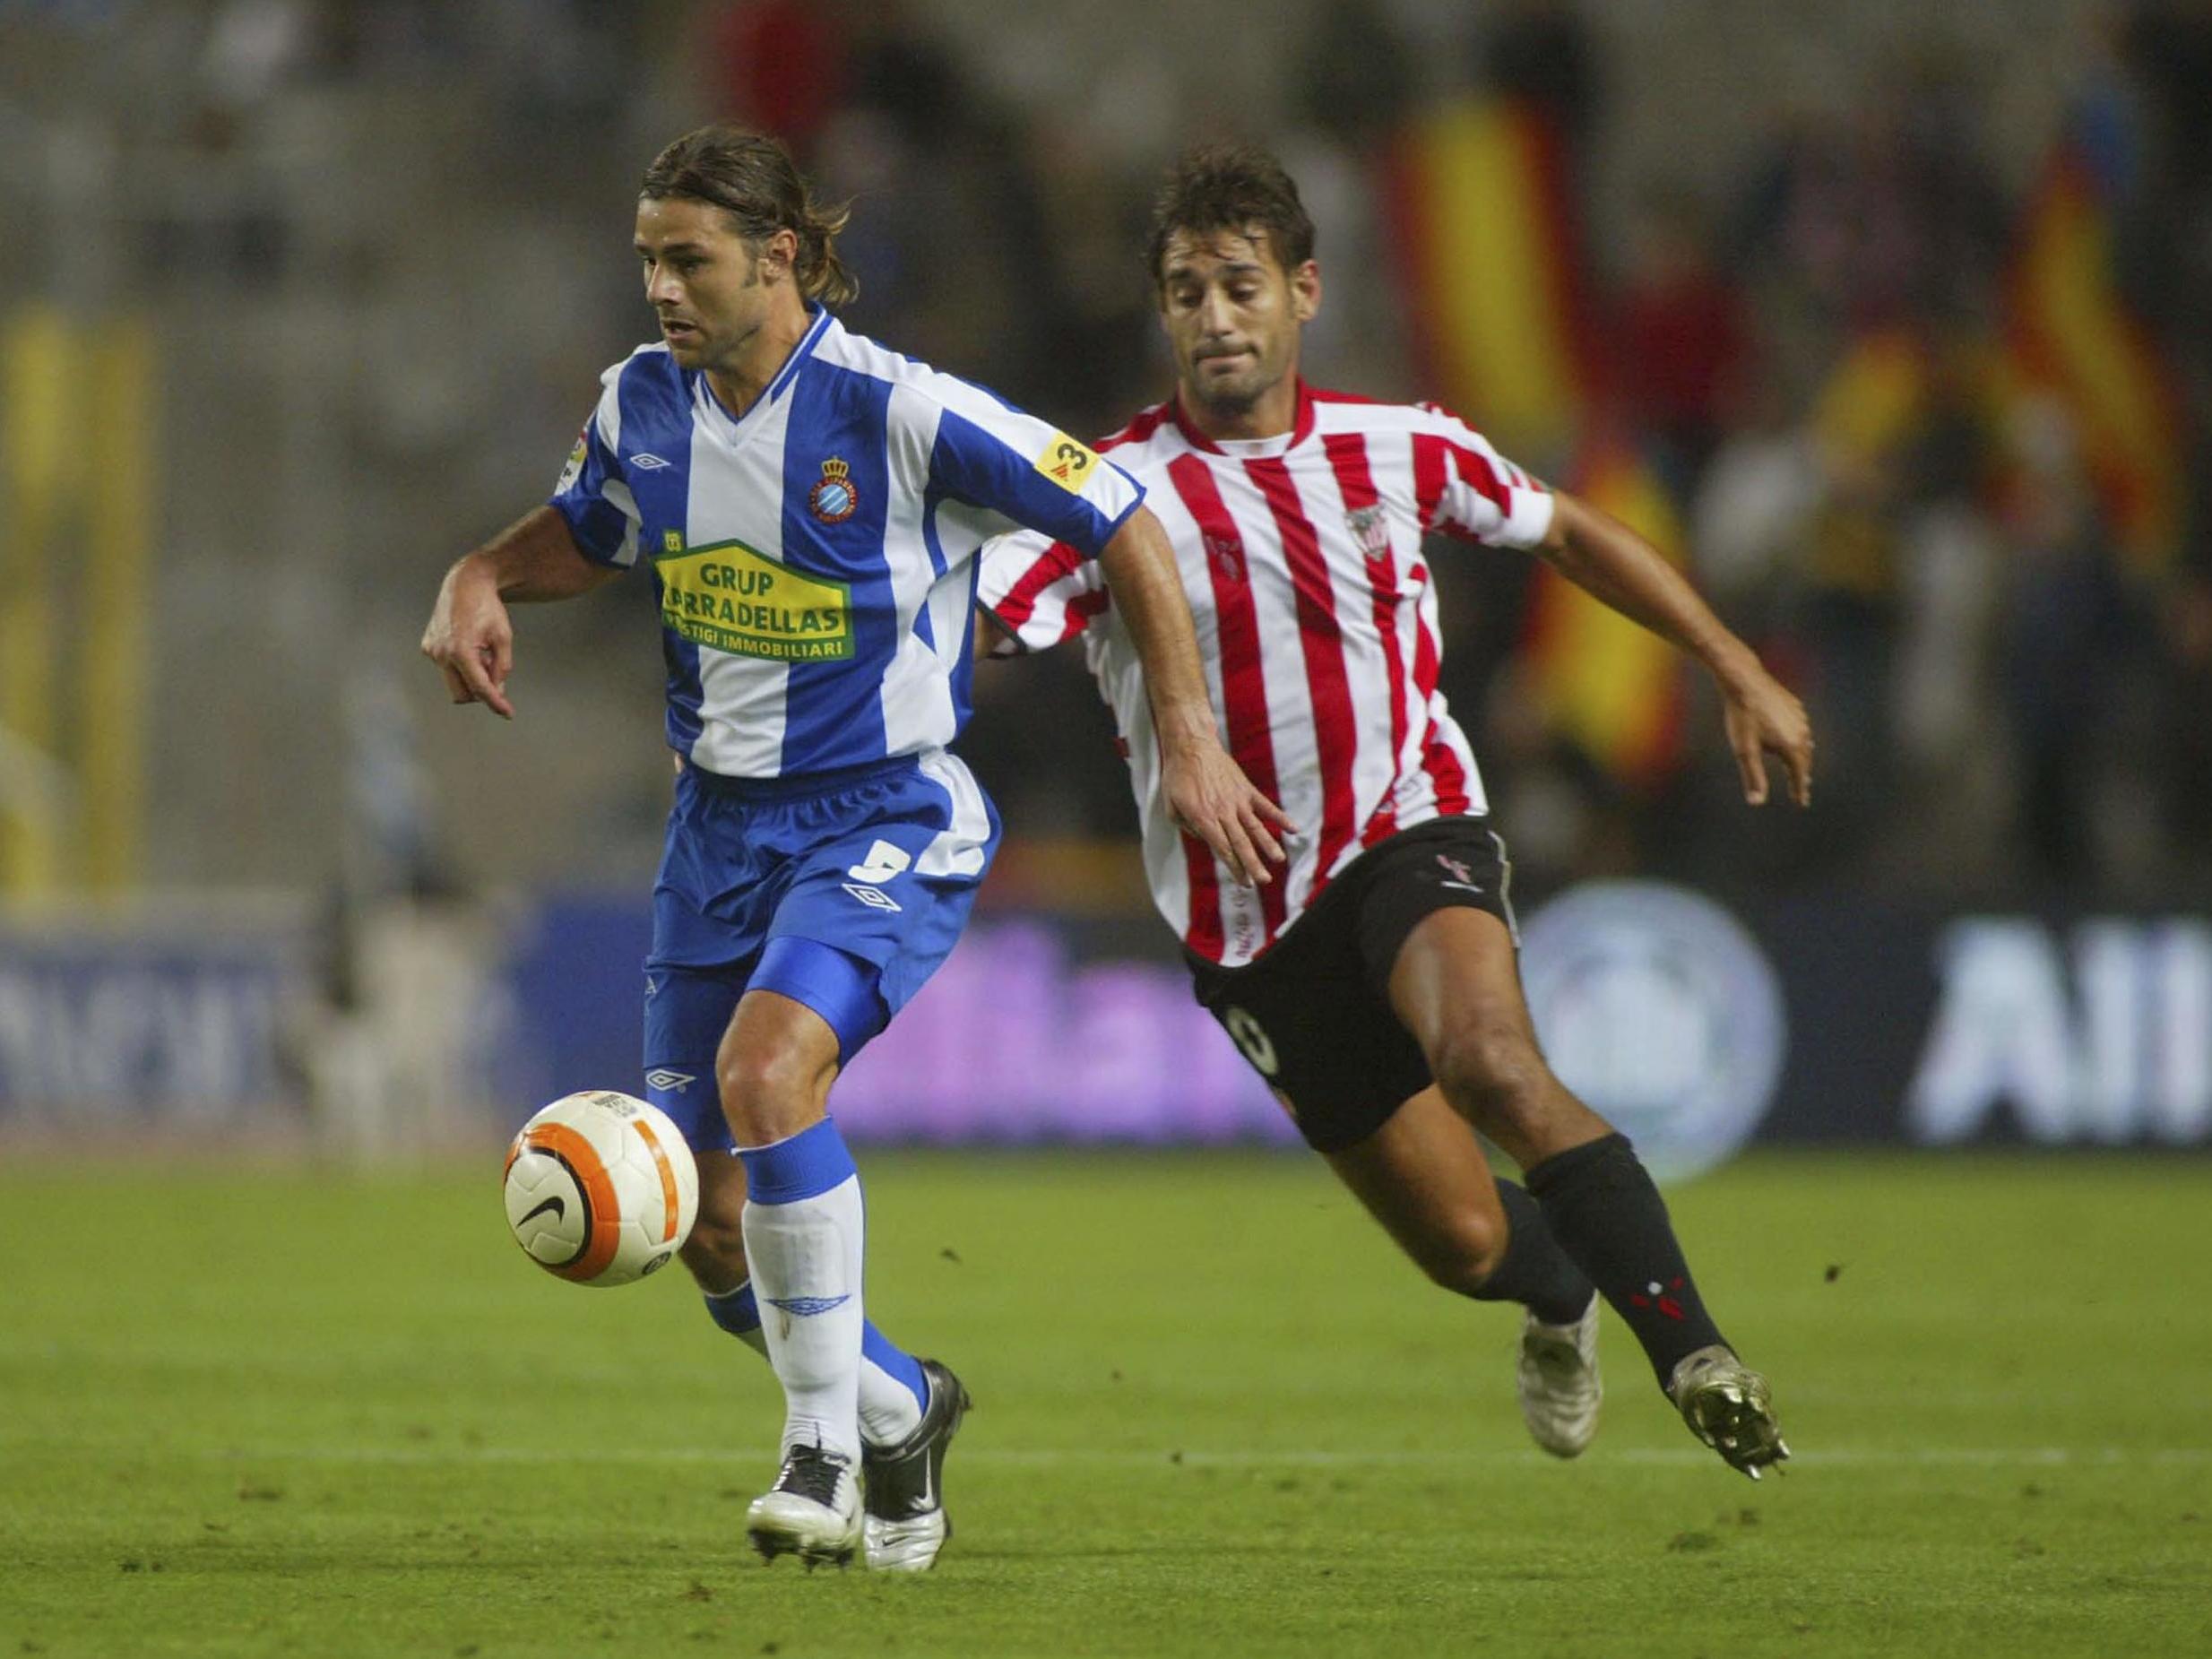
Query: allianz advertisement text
[{"x": 1700, "y": 1028}]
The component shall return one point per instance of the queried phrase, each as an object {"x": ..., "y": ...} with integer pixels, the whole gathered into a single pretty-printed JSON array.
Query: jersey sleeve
[
  {"x": 1468, "y": 490},
  {"x": 1040, "y": 591},
  {"x": 994, "y": 456},
  {"x": 591, "y": 492}
]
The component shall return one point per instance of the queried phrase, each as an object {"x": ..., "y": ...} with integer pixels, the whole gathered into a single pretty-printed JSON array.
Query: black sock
[
  {"x": 1606, "y": 1213},
  {"x": 1536, "y": 1272}
]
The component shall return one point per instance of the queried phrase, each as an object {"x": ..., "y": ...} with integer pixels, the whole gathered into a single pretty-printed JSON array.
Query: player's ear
[
  {"x": 778, "y": 253},
  {"x": 1306, "y": 291}
]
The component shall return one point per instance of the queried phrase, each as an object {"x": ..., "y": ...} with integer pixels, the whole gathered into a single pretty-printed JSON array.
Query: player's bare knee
[
  {"x": 1466, "y": 1252},
  {"x": 1493, "y": 1075},
  {"x": 760, "y": 1087}
]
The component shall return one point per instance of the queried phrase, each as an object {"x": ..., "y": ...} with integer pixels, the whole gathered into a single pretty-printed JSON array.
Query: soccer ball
[{"x": 600, "y": 1188}]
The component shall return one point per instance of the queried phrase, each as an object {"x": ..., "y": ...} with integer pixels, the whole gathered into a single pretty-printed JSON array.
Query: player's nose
[{"x": 1215, "y": 319}]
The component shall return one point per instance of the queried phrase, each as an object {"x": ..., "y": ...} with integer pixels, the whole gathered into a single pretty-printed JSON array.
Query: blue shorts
[{"x": 843, "y": 891}]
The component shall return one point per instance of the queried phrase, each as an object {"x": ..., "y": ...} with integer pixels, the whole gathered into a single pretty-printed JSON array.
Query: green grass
[{"x": 287, "y": 1411}]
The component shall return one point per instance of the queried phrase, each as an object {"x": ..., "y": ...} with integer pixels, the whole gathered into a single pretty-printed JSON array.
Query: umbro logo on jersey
[
  {"x": 675, "y": 1082},
  {"x": 649, "y": 462},
  {"x": 875, "y": 898}
]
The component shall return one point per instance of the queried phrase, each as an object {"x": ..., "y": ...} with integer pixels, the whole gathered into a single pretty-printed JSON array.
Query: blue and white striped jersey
[{"x": 815, "y": 556}]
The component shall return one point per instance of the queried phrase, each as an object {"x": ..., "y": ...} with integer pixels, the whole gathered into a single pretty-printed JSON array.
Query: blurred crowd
[
  {"x": 2006, "y": 695},
  {"x": 2010, "y": 671},
  {"x": 2012, "y": 688}
]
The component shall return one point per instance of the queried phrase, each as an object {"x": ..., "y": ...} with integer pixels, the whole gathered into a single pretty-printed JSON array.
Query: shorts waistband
[{"x": 797, "y": 785}]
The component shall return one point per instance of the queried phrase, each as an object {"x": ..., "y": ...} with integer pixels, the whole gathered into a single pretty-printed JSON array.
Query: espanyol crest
[{"x": 832, "y": 499}]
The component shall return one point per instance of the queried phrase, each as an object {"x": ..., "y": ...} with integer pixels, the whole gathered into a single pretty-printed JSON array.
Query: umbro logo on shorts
[
  {"x": 875, "y": 898},
  {"x": 676, "y": 1082}
]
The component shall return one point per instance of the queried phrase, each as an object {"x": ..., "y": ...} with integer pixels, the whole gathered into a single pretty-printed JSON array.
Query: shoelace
[{"x": 812, "y": 1473}]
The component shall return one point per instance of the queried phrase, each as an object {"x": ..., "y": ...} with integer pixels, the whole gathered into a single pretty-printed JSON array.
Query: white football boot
[
  {"x": 906, "y": 1523},
  {"x": 1559, "y": 1386},
  {"x": 813, "y": 1511},
  {"x": 1728, "y": 1406}
]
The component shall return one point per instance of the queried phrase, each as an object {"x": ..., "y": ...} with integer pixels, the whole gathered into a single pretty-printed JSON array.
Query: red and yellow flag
[
  {"x": 1609, "y": 685},
  {"x": 2071, "y": 333},
  {"x": 1494, "y": 273},
  {"x": 1491, "y": 264},
  {"x": 1875, "y": 395}
]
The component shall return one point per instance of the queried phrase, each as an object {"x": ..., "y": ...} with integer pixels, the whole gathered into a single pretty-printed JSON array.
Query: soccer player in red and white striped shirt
[{"x": 1373, "y": 984}]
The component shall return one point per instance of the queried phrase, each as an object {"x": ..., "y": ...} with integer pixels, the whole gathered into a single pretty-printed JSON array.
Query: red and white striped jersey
[{"x": 1316, "y": 619}]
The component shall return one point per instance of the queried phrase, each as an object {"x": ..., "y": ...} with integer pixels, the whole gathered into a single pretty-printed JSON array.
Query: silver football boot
[
  {"x": 813, "y": 1511},
  {"x": 1559, "y": 1382},
  {"x": 1728, "y": 1406},
  {"x": 906, "y": 1523}
]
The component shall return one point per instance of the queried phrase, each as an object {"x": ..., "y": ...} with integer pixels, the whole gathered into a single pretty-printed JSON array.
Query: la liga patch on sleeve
[
  {"x": 572, "y": 467},
  {"x": 1067, "y": 463}
]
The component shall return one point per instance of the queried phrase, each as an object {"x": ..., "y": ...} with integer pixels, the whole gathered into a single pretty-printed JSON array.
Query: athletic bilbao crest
[
  {"x": 1226, "y": 555},
  {"x": 832, "y": 499},
  {"x": 1370, "y": 529}
]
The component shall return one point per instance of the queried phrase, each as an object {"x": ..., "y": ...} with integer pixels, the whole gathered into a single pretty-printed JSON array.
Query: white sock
[
  {"x": 889, "y": 1412},
  {"x": 805, "y": 1257}
]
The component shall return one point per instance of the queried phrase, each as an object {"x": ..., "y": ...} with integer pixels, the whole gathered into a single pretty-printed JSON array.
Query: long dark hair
[{"x": 752, "y": 178}]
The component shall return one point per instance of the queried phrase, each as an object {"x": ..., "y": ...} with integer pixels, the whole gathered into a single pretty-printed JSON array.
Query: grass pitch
[{"x": 280, "y": 1412}]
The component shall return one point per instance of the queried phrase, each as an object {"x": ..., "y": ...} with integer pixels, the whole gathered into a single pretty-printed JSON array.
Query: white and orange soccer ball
[{"x": 600, "y": 1188}]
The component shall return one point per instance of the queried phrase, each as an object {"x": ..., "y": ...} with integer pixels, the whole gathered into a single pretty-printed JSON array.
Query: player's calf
[
  {"x": 1460, "y": 1252},
  {"x": 1601, "y": 1205}
]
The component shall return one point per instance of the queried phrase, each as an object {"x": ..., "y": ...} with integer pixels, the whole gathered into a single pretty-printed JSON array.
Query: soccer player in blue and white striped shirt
[{"x": 810, "y": 506}]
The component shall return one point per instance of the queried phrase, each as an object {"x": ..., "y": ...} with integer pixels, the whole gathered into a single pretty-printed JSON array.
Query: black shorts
[{"x": 1313, "y": 1015}]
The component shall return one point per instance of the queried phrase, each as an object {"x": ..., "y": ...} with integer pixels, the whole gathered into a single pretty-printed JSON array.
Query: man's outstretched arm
[
  {"x": 1208, "y": 791},
  {"x": 1611, "y": 563},
  {"x": 471, "y": 637}
]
